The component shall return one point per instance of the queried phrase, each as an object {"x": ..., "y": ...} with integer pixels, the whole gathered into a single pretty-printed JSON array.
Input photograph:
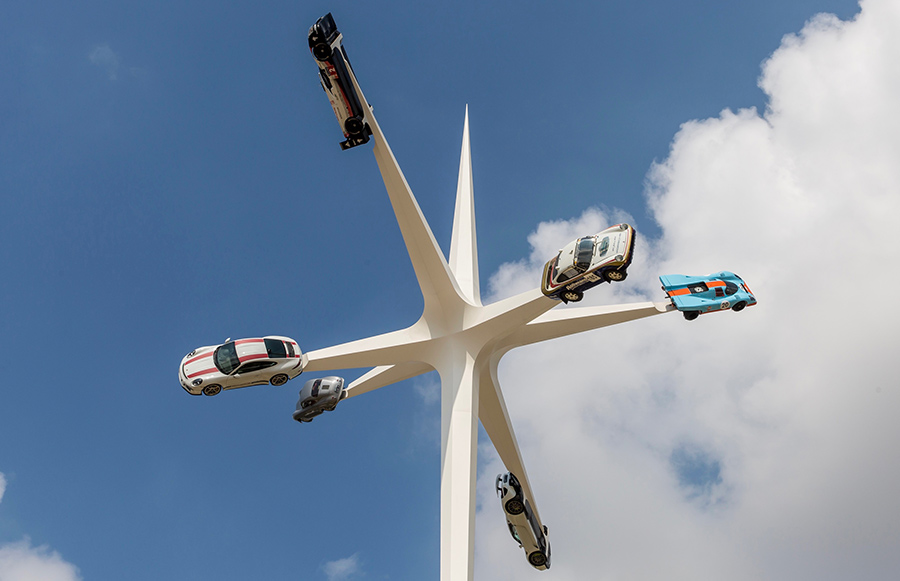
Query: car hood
[{"x": 200, "y": 362}]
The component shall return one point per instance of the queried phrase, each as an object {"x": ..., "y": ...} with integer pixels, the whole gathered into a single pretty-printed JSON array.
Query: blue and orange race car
[{"x": 693, "y": 295}]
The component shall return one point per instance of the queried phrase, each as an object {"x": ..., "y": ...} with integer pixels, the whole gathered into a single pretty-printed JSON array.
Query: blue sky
[{"x": 171, "y": 176}]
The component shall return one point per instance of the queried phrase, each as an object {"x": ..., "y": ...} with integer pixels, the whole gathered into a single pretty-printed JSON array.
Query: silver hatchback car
[{"x": 319, "y": 395}]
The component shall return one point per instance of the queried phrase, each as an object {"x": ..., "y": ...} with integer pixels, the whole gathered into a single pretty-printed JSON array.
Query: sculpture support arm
[
  {"x": 429, "y": 264},
  {"x": 387, "y": 349},
  {"x": 386, "y": 375},
  {"x": 563, "y": 322},
  {"x": 496, "y": 422}
]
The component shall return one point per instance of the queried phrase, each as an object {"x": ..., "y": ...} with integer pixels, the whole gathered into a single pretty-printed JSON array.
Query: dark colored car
[{"x": 334, "y": 73}]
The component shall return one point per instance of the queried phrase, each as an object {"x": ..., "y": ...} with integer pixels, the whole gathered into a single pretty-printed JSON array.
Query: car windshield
[
  {"x": 583, "y": 253},
  {"x": 226, "y": 358}
]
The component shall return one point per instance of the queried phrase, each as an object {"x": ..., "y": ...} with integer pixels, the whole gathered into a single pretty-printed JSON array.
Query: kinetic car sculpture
[
  {"x": 586, "y": 262},
  {"x": 241, "y": 363},
  {"x": 693, "y": 295}
]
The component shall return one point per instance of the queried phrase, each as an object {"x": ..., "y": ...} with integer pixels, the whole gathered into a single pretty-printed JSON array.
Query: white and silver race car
[
  {"x": 334, "y": 74},
  {"x": 241, "y": 363},
  {"x": 523, "y": 526},
  {"x": 588, "y": 261}
]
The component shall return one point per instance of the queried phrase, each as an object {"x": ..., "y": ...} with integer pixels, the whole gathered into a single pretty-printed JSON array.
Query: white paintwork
[{"x": 463, "y": 340}]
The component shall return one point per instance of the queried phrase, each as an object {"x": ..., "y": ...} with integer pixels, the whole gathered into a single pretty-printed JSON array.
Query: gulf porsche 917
[{"x": 693, "y": 295}]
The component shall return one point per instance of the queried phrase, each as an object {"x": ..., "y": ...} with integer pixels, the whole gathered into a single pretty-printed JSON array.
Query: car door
[{"x": 251, "y": 373}]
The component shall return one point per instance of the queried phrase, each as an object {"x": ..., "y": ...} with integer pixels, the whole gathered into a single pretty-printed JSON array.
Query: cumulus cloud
[
  {"x": 342, "y": 569},
  {"x": 22, "y": 562},
  {"x": 104, "y": 57},
  {"x": 752, "y": 445}
]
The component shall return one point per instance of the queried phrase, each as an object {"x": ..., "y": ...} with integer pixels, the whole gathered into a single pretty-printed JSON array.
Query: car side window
[
  {"x": 254, "y": 366},
  {"x": 604, "y": 246},
  {"x": 730, "y": 288}
]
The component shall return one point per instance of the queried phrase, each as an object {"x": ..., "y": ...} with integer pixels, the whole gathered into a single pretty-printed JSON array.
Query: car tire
[
  {"x": 354, "y": 126},
  {"x": 279, "y": 379},
  {"x": 212, "y": 389},
  {"x": 514, "y": 506},
  {"x": 691, "y": 315},
  {"x": 739, "y": 306},
  {"x": 616, "y": 275},
  {"x": 537, "y": 559},
  {"x": 322, "y": 51},
  {"x": 572, "y": 296}
]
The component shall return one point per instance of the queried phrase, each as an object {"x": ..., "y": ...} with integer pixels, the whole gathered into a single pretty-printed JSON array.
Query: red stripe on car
[
  {"x": 252, "y": 357},
  {"x": 198, "y": 357},
  {"x": 201, "y": 372}
]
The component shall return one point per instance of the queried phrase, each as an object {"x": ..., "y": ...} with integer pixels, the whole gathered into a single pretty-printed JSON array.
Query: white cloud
[
  {"x": 22, "y": 562},
  {"x": 750, "y": 445},
  {"x": 342, "y": 569},
  {"x": 104, "y": 57}
]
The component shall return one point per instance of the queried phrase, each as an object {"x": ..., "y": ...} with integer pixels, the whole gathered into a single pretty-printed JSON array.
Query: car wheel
[
  {"x": 212, "y": 389},
  {"x": 739, "y": 306},
  {"x": 354, "y": 126},
  {"x": 573, "y": 296},
  {"x": 616, "y": 275},
  {"x": 514, "y": 506},
  {"x": 537, "y": 558},
  {"x": 322, "y": 51},
  {"x": 691, "y": 315},
  {"x": 279, "y": 379}
]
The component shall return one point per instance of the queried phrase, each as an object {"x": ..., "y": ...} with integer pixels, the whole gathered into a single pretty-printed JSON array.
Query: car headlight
[
  {"x": 197, "y": 381},
  {"x": 620, "y": 258}
]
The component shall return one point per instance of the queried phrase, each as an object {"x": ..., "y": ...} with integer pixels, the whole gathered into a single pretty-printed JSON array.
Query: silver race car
[
  {"x": 523, "y": 525},
  {"x": 319, "y": 395}
]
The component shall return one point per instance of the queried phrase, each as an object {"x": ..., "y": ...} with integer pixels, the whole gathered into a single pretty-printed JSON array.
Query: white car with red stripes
[{"x": 241, "y": 363}]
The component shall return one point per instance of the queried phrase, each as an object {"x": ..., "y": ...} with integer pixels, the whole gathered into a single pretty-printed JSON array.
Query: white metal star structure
[{"x": 463, "y": 341}]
